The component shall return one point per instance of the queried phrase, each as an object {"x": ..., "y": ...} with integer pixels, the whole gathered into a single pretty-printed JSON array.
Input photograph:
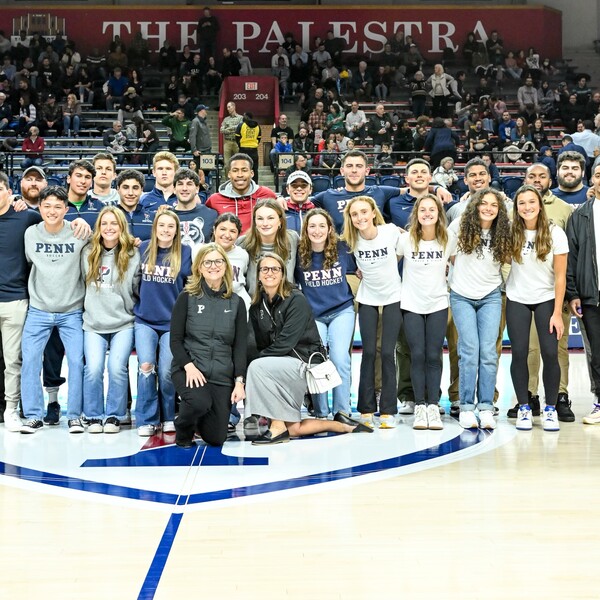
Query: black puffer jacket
[
  {"x": 582, "y": 270},
  {"x": 285, "y": 325}
]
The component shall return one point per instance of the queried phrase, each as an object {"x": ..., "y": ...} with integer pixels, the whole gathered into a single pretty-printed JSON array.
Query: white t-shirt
[
  {"x": 474, "y": 276},
  {"x": 424, "y": 285},
  {"x": 532, "y": 280},
  {"x": 378, "y": 262}
]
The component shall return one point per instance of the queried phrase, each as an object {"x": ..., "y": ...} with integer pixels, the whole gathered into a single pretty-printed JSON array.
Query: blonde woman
[
  {"x": 71, "y": 116},
  {"x": 376, "y": 247},
  {"x": 208, "y": 342},
  {"x": 111, "y": 266},
  {"x": 166, "y": 264}
]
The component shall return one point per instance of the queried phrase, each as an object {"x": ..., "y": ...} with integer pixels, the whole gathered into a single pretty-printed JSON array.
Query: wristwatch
[{"x": 240, "y": 379}]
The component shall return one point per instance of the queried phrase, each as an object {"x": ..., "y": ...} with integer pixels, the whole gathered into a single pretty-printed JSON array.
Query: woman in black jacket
[
  {"x": 286, "y": 337},
  {"x": 208, "y": 343}
]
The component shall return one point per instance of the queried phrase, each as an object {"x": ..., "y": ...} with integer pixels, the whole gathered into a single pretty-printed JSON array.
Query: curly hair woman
[{"x": 484, "y": 244}]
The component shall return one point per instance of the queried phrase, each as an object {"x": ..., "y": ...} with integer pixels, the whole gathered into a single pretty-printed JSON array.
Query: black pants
[
  {"x": 54, "y": 353},
  {"x": 591, "y": 320},
  {"x": 392, "y": 319},
  {"x": 425, "y": 336},
  {"x": 202, "y": 409},
  {"x": 518, "y": 322}
]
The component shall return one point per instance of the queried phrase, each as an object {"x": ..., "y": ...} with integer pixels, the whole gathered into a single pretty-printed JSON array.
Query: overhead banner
[{"x": 258, "y": 29}]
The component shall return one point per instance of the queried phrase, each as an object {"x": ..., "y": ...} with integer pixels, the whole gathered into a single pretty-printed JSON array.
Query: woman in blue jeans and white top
[
  {"x": 375, "y": 246},
  {"x": 111, "y": 266},
  {"x": 321, "y": 268},
  {"x": 535, "y": 287},
  {"x": 483, "y": 246},
  {"x": 166, "y": 264},
  {"x": 426, "y": 248}
]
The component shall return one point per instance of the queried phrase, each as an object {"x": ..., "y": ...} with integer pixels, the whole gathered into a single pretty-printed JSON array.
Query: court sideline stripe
[{"x": 160, "y": 558}]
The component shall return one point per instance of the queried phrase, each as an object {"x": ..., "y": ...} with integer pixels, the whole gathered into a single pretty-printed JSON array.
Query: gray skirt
[{"x": 275, "y": 388}]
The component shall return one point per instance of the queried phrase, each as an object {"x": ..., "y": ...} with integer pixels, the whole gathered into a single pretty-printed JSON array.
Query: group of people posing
[{"x": 241, "y": 316}]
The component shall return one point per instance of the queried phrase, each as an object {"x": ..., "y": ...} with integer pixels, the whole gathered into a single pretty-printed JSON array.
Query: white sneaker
[
  {"x": 468, "y": 420},
  {"x": 524, "y": 418},
  {"x": 146, "y": 430},
  {"x": 550, "y": 419},
  {"x": 486, "y": 419},
  {"x": 434, "y": 420},
  {"x": 75, "y": 426},
  {"x": 367, "y": 419},
  {"x": 420, "y": 417},
  {"x": 168, "y": 427},
  {"x": 387, "y": 421},
  {"x": 12, "y": 421},
  {"x": 592, "y": 419},
  {"x": 407, "y": 408}
]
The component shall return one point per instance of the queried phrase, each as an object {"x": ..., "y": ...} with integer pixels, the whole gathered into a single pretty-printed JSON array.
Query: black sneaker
[
  {"x": 513, "y": 412},
  {"x": 455, "y": 409},
  {"x": 32, "y": 426},
  {"x": 112, "y": 425},
  {"x": 563, "y": 408},
  {"x": 52, "y": 414}
]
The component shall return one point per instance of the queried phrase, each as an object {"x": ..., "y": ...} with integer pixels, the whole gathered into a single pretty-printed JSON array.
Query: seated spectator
[
  {"x": 71, "y": 116},
  {"x": 329, "y": 158},
  {"x": 180, "y": 130},
  {"x": 321, "y": 56},
  {"x": 545, "y": 157},
  {"x": 505, "y": 129},
  {"x": 495, "y": 179},
  {"x": 419, "y": 137},
  {"x": 131, "y": 105},
  {"x": 341, "y": 140},
  {"x": 380, "y": 127},
  {"x": 335, "y": 119},
  {"x": 33, "y": 148},
  {"x": 138, "y": 52},
  {"x": 538, "y": 134},
  {"x": 527, "y": 94},
  {"x": 117, "y": 58},
  {"x": 483, "y": 89},
  {"x": 116, "y": 142},
  {"x": 548, "y": 99},
  {"x": 135, "y": 81},
  {"x": 48, "y": 77},
  {"x": 301, "y": 163},
  {"x": 85, "y": 91},
  {"x": 147, "y": 140},
  {"x": 5, "y": 112},
  {"x": 196, "y": 69},
  {"x": 279, "y": 53},
  {"x": 446, "y": 176},
  {"x": 213, "y": 78},
  {"x": 413, "y": 59},
  {"x": 282, "y": 145},
  {"x": 317, "y": 119},
  {"x": 245, "y": 64},
  {"x": 469, "y": 48},
  {"x": 51, "y": 116},
  {"x": 381, "y": 84},
  {"x": 303, "y": 142},
  {"x": 356, "y": 122},
  {"x": 384, "y": 161},
  {"x": 533, "y": 64},
  {"x": 71, "y": 57},
  {"x": 8, "y": 69},
  {"x": 403, "y": 138},
  {"x": 282, "y": 72},
  {"x": 96, "y": 63},
  {"x": 335, "y": 46},
  {"x": 167, "y": 57},
  {"x": 116, "y": 86},
  {"x": 511, "y": 67},
  {"x": 172, "y": 90},
  {"x": 362, "y": 83},
  {"x": 478, "y": 139},
  {"x": 571, "y": 113},
  {"x": 185, "y": 104},
  {"x": 330, "y": 76},
  {"x": 27, "y": 115},
  {"x": 230, "y": 65}
]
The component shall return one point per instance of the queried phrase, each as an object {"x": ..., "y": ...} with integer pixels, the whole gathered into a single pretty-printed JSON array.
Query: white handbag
[{"x": 323, "y": 376}]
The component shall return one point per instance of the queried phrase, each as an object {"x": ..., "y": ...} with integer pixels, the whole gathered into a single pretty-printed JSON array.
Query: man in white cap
[{"x": 299, "y": 190}]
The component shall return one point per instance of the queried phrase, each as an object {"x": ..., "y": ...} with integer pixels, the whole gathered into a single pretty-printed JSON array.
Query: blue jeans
[
  {"x": 71, "y": 123},
  {"x": 477, "y": 323},
  {"x": 147, "y": 410},
  {"x": 336, "y": 331},
  {"x": 37, "y": 330},
  {"x": 95, "y": 347}
]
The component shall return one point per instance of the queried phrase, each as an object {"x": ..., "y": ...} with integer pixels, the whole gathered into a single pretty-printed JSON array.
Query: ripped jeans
[{"x": 147, "y": 408}]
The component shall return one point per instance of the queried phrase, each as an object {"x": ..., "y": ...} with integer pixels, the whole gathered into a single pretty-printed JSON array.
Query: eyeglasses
[
  {"x": 218, "y": 262},
  {"x": 265, "y": 270}
]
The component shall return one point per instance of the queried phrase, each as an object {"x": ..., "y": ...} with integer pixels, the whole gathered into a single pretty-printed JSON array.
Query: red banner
[{"x": 258, "y": 30}]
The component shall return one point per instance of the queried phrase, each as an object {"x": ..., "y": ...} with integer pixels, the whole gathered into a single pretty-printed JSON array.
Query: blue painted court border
[{"x": 467, "y": 439}]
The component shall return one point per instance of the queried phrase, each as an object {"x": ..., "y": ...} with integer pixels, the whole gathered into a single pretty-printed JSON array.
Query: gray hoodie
[
  {"x": 109, "y": 305},
  {"x": 55, "y": 281}
]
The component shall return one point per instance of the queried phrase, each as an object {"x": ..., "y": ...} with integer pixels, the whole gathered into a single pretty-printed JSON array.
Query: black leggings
[
  {"x": 368, "y": 317},
  {"x": 518, "y": 322},
  {"x": 425, "y": 336},
  {"x": 203, "y": 409}
]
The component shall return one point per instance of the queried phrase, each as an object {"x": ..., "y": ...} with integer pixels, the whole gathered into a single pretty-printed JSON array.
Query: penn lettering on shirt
[
  {"x": 372, "y": 254},
  {"x": 428, "y": 255},
  {"x": 324, "y": 277},
  {"x": 55, "y": 249}
]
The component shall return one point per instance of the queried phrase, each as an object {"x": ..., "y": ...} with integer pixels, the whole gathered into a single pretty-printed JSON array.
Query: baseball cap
[
  {"x": 130, "y": 90},
  {"x": 38, "y": 170},
  {"x": 299, "y": 175},
  {"x": 201, "y": 107}
]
